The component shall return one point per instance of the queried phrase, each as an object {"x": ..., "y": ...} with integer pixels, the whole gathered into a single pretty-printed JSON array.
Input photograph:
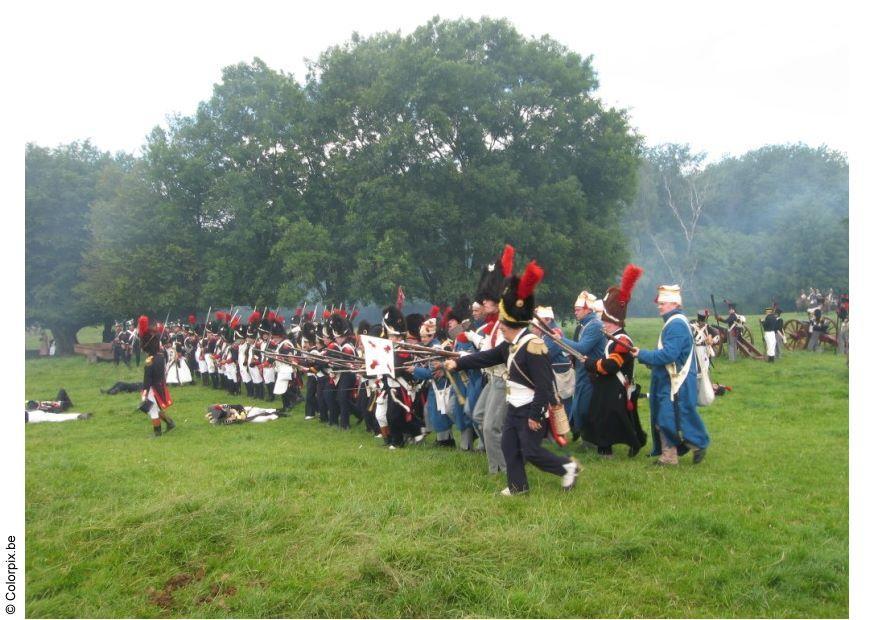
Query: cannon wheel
[
  {"x": 797, "y": 334},
  {"x": 829, "y": 339},
  {"x": 747, "y": 334}
]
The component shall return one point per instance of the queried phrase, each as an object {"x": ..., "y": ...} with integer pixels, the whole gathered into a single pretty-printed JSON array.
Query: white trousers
[
  {"x": 35, "y": 417},
  {"x": 770, "y": 339}
]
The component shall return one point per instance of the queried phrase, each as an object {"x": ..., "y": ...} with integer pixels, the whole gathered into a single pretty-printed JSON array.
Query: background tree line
[{"x": 408, "y": 160}]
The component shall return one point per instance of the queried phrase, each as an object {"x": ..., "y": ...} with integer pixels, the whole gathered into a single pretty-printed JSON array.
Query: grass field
[{"x": 292, "y": 518}]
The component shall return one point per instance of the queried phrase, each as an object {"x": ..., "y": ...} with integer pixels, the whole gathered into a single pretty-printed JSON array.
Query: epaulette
[
  {"x": 536, "y": 346},
  {"x": 149, "y": 361}
]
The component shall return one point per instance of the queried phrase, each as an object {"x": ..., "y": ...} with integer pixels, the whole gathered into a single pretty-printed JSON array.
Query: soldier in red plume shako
[
  {"x": 531, "y": 394},
  {"x": 155, "y": 396},
  {"x": 613, "y": 414}
]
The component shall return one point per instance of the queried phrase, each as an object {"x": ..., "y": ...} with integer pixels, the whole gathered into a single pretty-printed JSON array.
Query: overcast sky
[{"x": 724, "y": 77}]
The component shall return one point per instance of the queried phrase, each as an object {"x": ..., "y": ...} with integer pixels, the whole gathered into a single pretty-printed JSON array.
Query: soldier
[
  {"x": 816, "y": 326},
  {"x": 613, "y": 414},
  {"x": 155, "y": 397},
  {"x": 705, "y": 336},
  {"x": 436, "y": 385},
  {"x": 675, "y": 422},
  {"x": 732, "y": 326},
  {"x": 770, "y": 333},
  {"x": 121, "y": 346},
  {"x": 590, "y": 341},
  {"x": 530, "y": 386},
  {"x": 394, "y": 410},
  {"x": 342, "y": 329},
  {"x": 843, "y": 315},
  {"x": 491, "y": 408}
]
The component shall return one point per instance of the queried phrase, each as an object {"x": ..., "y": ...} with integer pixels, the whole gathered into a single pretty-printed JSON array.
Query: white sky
[{"x": 723, "y": 77}]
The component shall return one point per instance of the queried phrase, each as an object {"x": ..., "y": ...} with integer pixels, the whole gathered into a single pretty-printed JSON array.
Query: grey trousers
[{"x": 489, "y": 413}]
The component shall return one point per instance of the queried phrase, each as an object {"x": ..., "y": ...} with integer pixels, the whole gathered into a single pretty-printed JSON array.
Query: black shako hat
[
  {"x": 490, "y": 285},
  {"x": 517, "y": 304},
  {"x": 393, "y": 321}
]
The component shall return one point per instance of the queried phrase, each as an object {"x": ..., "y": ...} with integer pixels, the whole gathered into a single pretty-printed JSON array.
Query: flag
[
  {"x": 379, "y": 356},
  {"x": 399, "y": 303}
]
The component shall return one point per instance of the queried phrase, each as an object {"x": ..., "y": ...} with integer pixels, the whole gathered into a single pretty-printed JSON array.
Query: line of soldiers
[{"x": 498, "y": 374}]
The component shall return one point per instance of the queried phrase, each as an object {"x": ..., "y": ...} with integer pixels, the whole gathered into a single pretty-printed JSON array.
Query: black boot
[
  {"x": 170, "y": 424},
  {"x": 156, "y": 430}
]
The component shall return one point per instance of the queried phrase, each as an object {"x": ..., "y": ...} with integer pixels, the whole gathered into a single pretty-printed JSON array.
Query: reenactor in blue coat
[
  {"x": 589, "y": 339},
  {"x": 676, "y": 425}
]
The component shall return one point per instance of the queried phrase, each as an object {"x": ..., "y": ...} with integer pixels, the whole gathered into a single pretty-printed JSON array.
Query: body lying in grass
[{"x": 221, "y": 413}]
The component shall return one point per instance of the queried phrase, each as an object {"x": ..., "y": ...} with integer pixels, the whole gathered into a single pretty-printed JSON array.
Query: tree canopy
[{"x": 411, "y": 160}]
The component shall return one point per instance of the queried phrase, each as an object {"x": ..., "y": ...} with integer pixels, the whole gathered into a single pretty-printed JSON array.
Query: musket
[
  {"x": 305, "y": 356},
  {"x": 423, "y": 349},
  {"x": 539, "y": 323},
  {"x": 206, "y": 320},
  {"x": 614, "y": 339},
  {"x": 459, "y": 396}
]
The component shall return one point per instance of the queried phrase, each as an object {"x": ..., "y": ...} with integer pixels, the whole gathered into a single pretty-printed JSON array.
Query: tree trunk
[
  {"x": 108, "y": 334},
  {"x": 65, "y": 338}
]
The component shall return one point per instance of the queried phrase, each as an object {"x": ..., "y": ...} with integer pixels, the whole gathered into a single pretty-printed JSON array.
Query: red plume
[
  {"x": 235, "y": 322},
  {"x": 191, "y": 319},
  {"x": 529, "y": 281},
  {"x": 220, "y": 315},
  {"x": 343, "y": 313},
  {"x": 435, "y": 310},
  {"x": 507, "y": 260},
  {"x": 271, "y": 315},
  {"x": 630, "y": 276},
  {"x": 445, "y": 318},
  {"x": 280, "y": 319},
  {"x": 298, "y": 311},
  {"x": 310, "y": 315},
  {"x": 255, "y": 317},
  {"x": 326, "y": 313},
  {"x": 143, "y": 326}
]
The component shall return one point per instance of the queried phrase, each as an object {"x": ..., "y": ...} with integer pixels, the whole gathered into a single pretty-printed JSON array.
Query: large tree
[
  {"x": 447, "y": 143},
  {"x": 60, "y": 186}
]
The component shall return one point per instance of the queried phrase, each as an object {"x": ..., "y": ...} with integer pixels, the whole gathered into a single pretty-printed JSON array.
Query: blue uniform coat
[
  {"x": 678, "y": 420},
  {"x": 591, "y": 342}
]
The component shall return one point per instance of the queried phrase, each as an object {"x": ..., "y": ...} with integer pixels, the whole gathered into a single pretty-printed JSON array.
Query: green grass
[{"x": 291, "y": 518}]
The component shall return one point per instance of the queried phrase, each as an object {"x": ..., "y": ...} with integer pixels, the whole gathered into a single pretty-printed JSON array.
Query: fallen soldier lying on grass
[
  {"x": 121, "y": 386},
  {"x": 237, "y": 414},
  {"x": 61, "y": 403},
  {"x": 36, "y": 416}
]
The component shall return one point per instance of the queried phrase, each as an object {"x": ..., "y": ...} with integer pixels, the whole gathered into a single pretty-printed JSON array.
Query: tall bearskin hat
[
  {"x": 298, "y": 317},
  {"x": 491, "y": 283},
  {"x": 340, "y": 325},
  {"x": 414, "y": 321},
  {"x": 309, "y": 332},
  {"x": 702, "y": 315},
  {"x": 393, "y": 321},
  {"x": 150, "y": 337},
  {"x": 460, "y": 311},
  {"x": 363, "y": 328},
  {"x": 517, "y": 304},
  {"x": 616, "y": 299}
]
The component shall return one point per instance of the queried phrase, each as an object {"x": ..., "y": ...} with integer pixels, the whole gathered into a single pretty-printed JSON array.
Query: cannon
[{"x": 797, "y": 333}]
